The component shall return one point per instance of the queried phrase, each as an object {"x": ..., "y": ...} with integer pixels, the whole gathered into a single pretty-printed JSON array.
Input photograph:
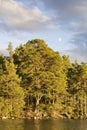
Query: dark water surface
[{"x": 43, "y": 124}]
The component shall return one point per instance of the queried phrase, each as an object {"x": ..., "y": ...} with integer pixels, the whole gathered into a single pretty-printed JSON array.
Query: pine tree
[
  {"x": 41, "y": 70},
  {"x": 10, "y": 90}
]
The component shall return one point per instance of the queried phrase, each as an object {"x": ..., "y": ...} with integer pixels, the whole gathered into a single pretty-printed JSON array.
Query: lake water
[{"x": 43, "y": 124}]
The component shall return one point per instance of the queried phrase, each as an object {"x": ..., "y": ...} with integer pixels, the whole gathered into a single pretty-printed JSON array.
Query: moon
[{"x": 59, "y": 39}]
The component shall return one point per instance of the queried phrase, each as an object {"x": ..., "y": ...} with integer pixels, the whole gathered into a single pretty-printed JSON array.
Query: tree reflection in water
[{"x": 11, "y": 124}]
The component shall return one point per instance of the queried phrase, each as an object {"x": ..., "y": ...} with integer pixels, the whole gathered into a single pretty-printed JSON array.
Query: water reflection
[
  {"x": 43, "y": 124},
  {"x": 11, "y": 125}
]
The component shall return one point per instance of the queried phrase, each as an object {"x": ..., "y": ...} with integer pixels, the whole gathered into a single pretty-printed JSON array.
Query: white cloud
[{"x": 15, "y": 15}]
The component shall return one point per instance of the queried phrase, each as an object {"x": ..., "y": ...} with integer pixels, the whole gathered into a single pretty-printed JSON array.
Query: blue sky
[{"x": 61, "y": 23}]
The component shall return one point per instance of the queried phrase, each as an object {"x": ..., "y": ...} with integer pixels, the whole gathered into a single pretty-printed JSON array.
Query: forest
[{"x": 36, "y": 82}]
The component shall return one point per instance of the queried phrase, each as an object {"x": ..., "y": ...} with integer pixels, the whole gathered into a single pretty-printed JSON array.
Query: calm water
[{"x": 43, "y": 125}]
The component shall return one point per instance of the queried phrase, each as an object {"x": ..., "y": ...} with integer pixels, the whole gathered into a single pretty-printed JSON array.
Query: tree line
[{"x": 37, "y": 82}]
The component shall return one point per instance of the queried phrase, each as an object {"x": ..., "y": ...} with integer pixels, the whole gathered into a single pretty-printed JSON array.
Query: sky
[{"x": 62, "y": 24}]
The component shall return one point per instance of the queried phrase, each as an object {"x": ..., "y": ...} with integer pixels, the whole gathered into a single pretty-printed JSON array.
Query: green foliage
[
  {"x": 41, "y": 70},
  {"x": 11, "y": 94},
  {"x": 36, "y": 81}
]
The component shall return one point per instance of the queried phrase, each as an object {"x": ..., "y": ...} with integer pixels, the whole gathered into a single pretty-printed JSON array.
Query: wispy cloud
[
  {"x": 15, "y": 15},
  {"x": 37, "y": 15},
  {"x": 72, "y": 16},
  {"x": 69, "y": 11}
]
